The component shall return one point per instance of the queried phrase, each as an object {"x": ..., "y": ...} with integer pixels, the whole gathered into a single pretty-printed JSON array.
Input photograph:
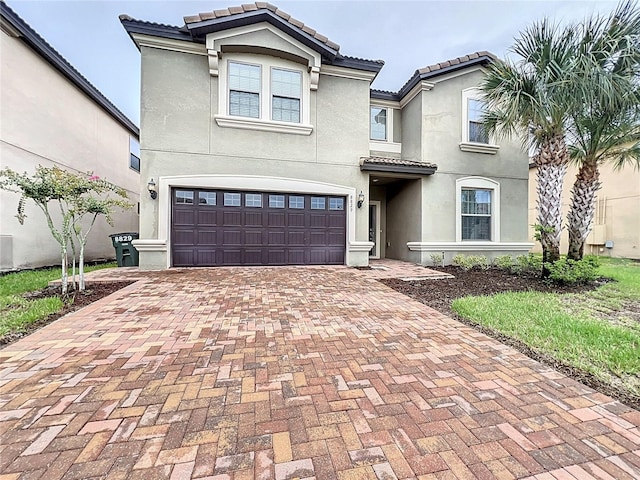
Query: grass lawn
[
  {"x": 597, "y": 332},
  {"x": 17, "y": 312}
]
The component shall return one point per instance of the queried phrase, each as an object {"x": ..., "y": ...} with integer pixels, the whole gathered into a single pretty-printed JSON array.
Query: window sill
[
  {"x": 479, "y": 148},
  {"x": 263, "y": 125},
  {"x": 382, "y": 146}
]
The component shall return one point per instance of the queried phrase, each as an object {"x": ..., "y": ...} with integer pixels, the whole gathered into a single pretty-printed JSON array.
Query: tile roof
[
  {"x": 456, "y": 61},
  {"x": 252, "y": 7},
  {"x": 396, "y": 161},
  {"x": 40, "y": 46}
]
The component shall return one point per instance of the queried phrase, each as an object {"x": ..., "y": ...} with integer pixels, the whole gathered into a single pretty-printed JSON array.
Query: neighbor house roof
[
  {"x": 435, "y": 70},
  {"x": 396, "y": 165},
  {"x": 197, "y": 27},
  {"x": 57, "y": 61}
]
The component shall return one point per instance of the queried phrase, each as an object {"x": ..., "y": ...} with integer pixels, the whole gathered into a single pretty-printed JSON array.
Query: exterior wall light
[
  {"x": 151, "y": 186},
  {"x": 360, "y": 199}
]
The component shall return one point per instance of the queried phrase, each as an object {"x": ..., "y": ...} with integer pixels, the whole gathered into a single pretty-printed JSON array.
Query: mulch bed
[
  {"x": 93, "y": 292},
  {"x": 438, "y": 294}
]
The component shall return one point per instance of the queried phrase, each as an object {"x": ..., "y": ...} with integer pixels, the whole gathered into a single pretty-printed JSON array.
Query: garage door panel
[
  {"x": 276, "y": 256},
  {"x": 276, "y": 219},
  {"x": 276, "y": 237},
  {"x": 253, "y": 219},
  {"x": 207, "y": 218},
  {"x": 296, "y": 219},
  {"x": 217, "y": 227},
  {"x": 296, "y": 257},
  {"x": 207, "y": 237},
  {"x": 318, "y": 238},
  {"x": 182, "y": 257},
  {"x": 184, "y": 237},
  {"x": 232, "y": 237},
  {"x": 295, "y": 238},
  {"x": 253, "y": 237},
  {"x": 206, "y": 256},
  {"x": 318, "y": 220},
  {"x": 184, "y": 217},
  {"x": 232, "y": 218},
  {"x": 252, "y": 256}
]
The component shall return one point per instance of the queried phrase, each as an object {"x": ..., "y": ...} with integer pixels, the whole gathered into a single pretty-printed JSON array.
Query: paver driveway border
[{"x": 290, "y": 373}]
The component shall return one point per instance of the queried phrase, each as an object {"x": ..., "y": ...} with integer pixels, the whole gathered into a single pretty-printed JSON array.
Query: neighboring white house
[
  {"x": 51, "y": 115},
  {"x": 264, "y": 145}
]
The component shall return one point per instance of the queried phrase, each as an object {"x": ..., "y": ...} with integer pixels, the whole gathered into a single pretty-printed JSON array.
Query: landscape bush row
[{"x": 565, "y": 271}]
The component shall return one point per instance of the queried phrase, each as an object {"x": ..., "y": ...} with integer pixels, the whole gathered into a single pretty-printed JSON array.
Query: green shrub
[
  {"x": 504, "y": 262},
  {"x": 468, "y": 262},
  {"x": 527, "y": 264},
  {"x": 567, "y": 271},
  {"x": 436, "y": 259}
]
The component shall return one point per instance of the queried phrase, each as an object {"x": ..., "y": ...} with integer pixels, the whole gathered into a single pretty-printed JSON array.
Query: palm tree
[
  {"x": 530, "y": 99},
  {"x": 605, "y": 119}
]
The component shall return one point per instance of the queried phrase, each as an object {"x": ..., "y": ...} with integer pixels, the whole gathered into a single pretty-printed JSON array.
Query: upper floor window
[
  {"x": 134, "y": 154},
  {"x": 477, "y": 132},
  {"x": 286, "y": 90},
  {"x": 244, "y": 90},
  {"x": 474, "y": 133},
  {"x": 378, "y": 123},
  {"x": 261, "y": 92}
]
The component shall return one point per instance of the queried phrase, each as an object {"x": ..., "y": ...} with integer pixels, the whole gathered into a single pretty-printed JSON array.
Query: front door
[{"x": 374, "y": 228}]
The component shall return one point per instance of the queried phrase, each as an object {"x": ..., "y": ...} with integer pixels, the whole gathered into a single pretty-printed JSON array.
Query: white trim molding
[
  {"x": 479, "y": 147},
  {"x": 469, "y": 246},
  {"x": 169, "y": 44},
  {"x": 343, "y": 72},
  {"x": 247, "y": 182},
  {"x": 480, "y": 183},
  {"x": 248, "y": 123},
  {"x": 423, "y": 86}
]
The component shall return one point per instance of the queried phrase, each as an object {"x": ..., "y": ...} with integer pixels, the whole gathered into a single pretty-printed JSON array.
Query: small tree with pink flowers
[{"x": 80, "y": 199}]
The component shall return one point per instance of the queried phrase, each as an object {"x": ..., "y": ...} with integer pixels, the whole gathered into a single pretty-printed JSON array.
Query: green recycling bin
[{"x": 126, "y": 253}]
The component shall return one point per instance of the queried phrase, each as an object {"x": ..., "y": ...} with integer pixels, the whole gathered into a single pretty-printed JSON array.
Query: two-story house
[
  {"x": 51, "y": 115},
  {"x": 262, "y": 144}
]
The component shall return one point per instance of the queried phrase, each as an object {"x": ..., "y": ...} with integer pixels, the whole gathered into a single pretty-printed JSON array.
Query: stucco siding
[
  {"x": 403, "y": 219},
  {"x": 46, "y": 120}
]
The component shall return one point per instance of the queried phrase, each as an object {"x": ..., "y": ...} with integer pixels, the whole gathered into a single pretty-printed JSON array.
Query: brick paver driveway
[{"x": 292, "y": 373}]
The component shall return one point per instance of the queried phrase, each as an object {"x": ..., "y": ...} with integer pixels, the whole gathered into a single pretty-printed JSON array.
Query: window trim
[
  {"x": 228, "y": 92},
  {"x": 483, "y": 184},
  {"x": 387, "y": 145},
  {"x": 272, "y": 96},
  {"x": 264, "y": 122},
  {"x": 465, "y": 145}
]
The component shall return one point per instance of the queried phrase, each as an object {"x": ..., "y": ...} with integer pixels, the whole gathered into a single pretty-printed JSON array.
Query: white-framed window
[
  {"x": 276, "y": 201},
  {"x": 286, "y": 91},
  {"x": 184, "y": 196},
  {"x": 477, "y": 210},
  {"x": 318, "y": 203},
  {"x": 207, "y": 198},
  {"x": 253, "y": 200},
  {"x": 134, "y": 154},
  {"x": 244, "y": 89},
  {"x": 474, "y": 134},
  {"x": 296, "y": 202},
  {"x": 231, "y": 199},
  {"x": 336, "y": 203},
  {"x": 378, "y": 123},
  {"x": 259, "y": 92}
]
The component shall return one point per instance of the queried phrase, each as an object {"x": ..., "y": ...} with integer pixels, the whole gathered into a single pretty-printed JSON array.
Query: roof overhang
[{"x": 397, "y": 166}]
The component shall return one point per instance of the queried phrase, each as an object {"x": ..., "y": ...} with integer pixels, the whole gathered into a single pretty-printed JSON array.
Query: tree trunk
[
  {"x": 552, "y": 165},
  {"x": 581, "y": 212},
  {"x": 65, "y": 273},
  {"x": 81, "y": 268}
]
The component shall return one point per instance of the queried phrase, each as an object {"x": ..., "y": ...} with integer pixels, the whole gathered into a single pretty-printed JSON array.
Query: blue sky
[{"x": 405, "y": 34}]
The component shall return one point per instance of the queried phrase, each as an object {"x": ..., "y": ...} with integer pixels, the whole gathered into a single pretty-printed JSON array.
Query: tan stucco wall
[
  {"x": 180, "y": 136},
  {"x": 403, "y": 219},
  {"x": 46, "y": 120},
  {"x": 617, "y": 211}
]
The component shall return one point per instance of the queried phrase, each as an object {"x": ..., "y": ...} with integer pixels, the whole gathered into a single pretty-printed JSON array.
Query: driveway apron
[{"x": 240, "y": 373}]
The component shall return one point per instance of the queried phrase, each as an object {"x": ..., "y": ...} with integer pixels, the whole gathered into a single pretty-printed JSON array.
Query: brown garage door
[{"x": 226, "y": 227}]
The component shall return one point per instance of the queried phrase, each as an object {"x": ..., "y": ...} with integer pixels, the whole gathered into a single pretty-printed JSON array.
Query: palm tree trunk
[
  {"x": 552, "y": 165},
  {"x": 581, "y": 212}
]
